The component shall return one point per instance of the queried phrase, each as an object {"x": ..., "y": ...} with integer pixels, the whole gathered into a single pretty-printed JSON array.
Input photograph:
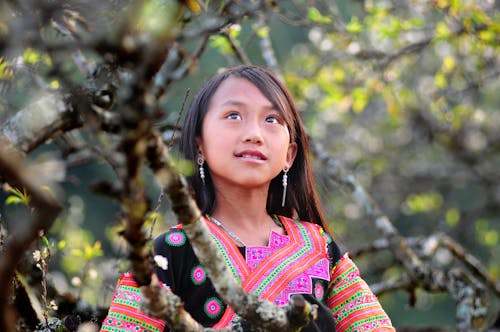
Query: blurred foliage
[
  {"x": 403, "y": 93},
  {"x": 18, "y": 197}
]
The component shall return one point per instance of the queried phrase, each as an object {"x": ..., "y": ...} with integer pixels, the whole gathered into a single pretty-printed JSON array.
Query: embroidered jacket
[{"x": 303, "y": 261}]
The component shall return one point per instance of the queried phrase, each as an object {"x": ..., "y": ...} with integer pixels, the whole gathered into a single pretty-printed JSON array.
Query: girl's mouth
[{"x": 253, "y": 155}]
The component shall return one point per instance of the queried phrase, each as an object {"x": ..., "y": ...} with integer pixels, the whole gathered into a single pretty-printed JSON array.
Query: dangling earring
[
  {"x": 201, "y": 169},
  {"x": 285, "y": 184}
]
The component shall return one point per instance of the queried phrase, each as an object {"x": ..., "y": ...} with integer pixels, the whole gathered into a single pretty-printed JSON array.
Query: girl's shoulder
[
  {"x": 312, "y": 227},
  {"x": 173, "y": 230}
]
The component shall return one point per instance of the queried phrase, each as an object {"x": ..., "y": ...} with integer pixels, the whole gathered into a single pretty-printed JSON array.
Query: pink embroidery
[
  {"x": 213, "y": 307},
  {"x": 255, "y": 254},
  {"x": 198, "y": 275},
  {"x": 319, "y": 291},
  {"x": 302, "y": 284},
  {"x": 176, "y": 239}
]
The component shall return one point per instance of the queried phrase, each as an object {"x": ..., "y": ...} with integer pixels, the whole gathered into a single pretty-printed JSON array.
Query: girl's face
[{"x": 244, "y": 139}]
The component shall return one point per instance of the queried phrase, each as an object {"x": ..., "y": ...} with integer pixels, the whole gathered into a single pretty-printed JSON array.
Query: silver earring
[
  {"x": 285, "y": 184},
  {"x": 201, "y": 169}
]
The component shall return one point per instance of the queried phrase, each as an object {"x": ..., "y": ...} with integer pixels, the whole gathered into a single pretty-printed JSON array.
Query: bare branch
[
  {"x": 468, "y": 293},
  {"x": 162, "y": 303},
  {"x": 39, "y": 122},
  {"x": 46, "y": 204},
  {"x": 235, "y": 46},
  {"x": 267, "y": 48}
]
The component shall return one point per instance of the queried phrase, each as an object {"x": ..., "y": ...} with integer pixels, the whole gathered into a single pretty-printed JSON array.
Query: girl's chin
[{"x": 247, "y": 184}]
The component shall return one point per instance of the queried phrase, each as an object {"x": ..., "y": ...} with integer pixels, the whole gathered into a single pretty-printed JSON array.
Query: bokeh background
[{"x": 403, "y": 94}]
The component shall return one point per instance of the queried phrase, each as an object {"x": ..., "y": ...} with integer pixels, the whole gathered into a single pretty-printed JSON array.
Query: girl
[{"x": 255, "y": 187}]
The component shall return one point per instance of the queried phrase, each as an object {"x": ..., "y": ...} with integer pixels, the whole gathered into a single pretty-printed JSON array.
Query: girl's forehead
[
  {"x": 236, "y": 85},
  {"x": 234, "y": 90}
]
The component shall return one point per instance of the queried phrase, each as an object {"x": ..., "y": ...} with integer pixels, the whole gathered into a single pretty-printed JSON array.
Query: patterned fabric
[
  {"x": 303, "y": 283},
  {"x": 303, "y": 261},
  {"x": 354, "y": 306},
  {"x": 283, "y": 268},
  {"x": 124, "y": 314}
]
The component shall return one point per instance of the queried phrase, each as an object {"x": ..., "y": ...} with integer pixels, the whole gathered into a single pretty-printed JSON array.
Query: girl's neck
[
  {"x": 245, "y": 231},
  {"x": 243, "y": 206},
  {"x": 244, "y": 214}
]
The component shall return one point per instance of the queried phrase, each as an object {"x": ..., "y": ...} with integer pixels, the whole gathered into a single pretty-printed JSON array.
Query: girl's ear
[
  {"x": 291, "y": 154},
  {"x": 197, "y": 140}
]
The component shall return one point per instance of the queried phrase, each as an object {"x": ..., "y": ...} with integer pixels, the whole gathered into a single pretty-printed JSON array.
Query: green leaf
[
  {"x": 487, "y": 35},
  {"x": 262, "y": 32},
  {"x": 417, "y": 22},
  {"x": 31, "y": 56},
  {"x": 480, "y": 18},
  {"x": 61, "y": 245},
  {"x": 315, "y": 16},
  {"x": 77, "y": 252},
  {"x": 5, "y": 72},
  {"x": 425, "y": 202},
  {"x": 18, "y": 197},
  {"x": 440, "y": 80},
  {"x": 360, "y": 97},
  {"x": 13, "y": 200},
  {"x": 491, "y": 238},
  {"x": 442, "y": 31},
  {"x": 392, "y": 29},
  {"x": 90, "y": 252},
  {"x": 456, "y": 6},
  {"x": 234, "y": 31},
  {"x": 452, "y": 217},
  {"x": 449, "y": 64},
  {"x": 45, "y": 241},
  {"x": 222, "y": 44},
  {"x": 338, "y": 75},
  {"x": 354, "y": 26}
]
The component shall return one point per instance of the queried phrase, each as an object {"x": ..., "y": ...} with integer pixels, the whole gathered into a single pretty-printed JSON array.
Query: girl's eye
[
  {"x": 272, "y": 119},
  {"x": 233, "y": 116}
]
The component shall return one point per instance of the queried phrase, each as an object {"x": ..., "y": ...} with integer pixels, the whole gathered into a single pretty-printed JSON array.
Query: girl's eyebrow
[{"x": 232, "y": 102}]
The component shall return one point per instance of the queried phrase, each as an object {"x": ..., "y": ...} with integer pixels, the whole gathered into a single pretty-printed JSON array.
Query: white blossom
[{"x": 161, "y": 261}]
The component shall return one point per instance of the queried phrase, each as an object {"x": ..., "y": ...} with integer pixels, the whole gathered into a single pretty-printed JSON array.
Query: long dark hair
[{"x": 301, "y": 198}]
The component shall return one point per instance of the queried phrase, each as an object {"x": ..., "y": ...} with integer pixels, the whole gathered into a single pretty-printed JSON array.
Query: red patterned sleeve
[
  {"x": 124, "y": 313},
  {"x": 354, "y": 306}
]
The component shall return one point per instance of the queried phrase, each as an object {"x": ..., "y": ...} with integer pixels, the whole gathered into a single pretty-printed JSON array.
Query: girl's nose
[{"x": 253, "y": 133}]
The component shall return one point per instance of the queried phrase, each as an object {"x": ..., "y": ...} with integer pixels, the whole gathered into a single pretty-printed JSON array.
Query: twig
[
  {"x": 240, "y": 53},
  {"x": 469, "y": 260},
  {"x": 267, "y": 48},
  {"x": 157, "y": 210},
  {"x": 172, "y": 138},
  {"x": 46, "y": 207},
  {"x": 229, "y": 13},
  {"x": 170, "y": 147},
  {"x": 390, "y": 285},
  {"x": 164, "y": 304},
  {"x": 2, "y": 230}
]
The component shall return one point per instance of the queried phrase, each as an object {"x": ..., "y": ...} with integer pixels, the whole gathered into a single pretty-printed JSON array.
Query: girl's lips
[{"x": 251, "y": 154}]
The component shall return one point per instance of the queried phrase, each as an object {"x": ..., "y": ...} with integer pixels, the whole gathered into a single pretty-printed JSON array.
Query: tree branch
[
  {"x": 46, "y": 204},
  {"x": 39, "y": 122},
  {"x": 468, "y": 293}
]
